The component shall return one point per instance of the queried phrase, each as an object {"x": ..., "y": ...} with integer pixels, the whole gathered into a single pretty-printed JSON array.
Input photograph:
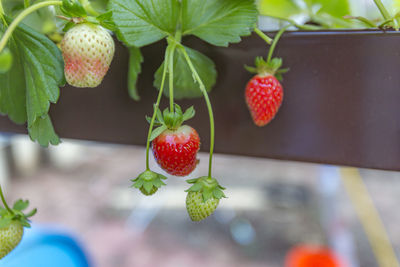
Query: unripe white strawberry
[
  {"x": 10, "y": 237},
  {"x": 87, "y": 50}
]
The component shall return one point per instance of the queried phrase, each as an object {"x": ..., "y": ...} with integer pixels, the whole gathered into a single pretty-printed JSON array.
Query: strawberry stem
[
  {"x": 21, "y": 16},
  {"x": 209, "y": 107},
  {"x": 263, "y": 36},
  {"x": 88, "y": 7},
  {"x": 275, "y": 42},
  {"x": 1, "y": 8},
  {"x": 382, "y": 9},
  {"x": 171, "y": 78},
  {"x": 167, "y": 59},
  {"x": 5, "y": 202}
]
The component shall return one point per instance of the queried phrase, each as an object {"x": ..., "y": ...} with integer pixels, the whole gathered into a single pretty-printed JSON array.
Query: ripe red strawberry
[
  {"x": 264, "y": 96},
  {"x": 87, "y": 50},
  {"x": 203, "y": 197},
  {"x": 174, "y": 146},
  {"x": 10, "y": 236},
  {"x": 264, "y": 93},
  {"x": 176, "y": 150}
]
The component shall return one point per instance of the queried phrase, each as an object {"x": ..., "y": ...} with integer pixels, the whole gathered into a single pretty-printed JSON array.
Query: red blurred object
[{"x": 311, "y": 256}]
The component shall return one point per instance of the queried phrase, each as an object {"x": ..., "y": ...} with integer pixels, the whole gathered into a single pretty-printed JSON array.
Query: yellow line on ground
[{"x": 369, "y": 217}]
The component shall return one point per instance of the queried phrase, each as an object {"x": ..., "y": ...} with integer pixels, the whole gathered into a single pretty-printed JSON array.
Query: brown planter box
[{"x": 341, "y": 101}]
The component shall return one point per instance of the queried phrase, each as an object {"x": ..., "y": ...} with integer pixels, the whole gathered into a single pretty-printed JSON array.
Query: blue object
[{"x": 41, "y": 247}]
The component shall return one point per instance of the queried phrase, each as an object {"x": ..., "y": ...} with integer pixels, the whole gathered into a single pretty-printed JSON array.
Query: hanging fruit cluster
[{"x": 33, "y": 68}]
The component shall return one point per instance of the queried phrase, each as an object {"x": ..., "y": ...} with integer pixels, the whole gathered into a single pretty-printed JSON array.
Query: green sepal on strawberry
[
  {"x": 76, "y": 13},
  {"x": 174, "y": 145},
  {"x": 148, "y": 182},
  {"x": 167, "y": 120},
  {"x": 203, "y": 197},
  {"x": 12, "y": 223},
  {"x": 265, "y": 68}
]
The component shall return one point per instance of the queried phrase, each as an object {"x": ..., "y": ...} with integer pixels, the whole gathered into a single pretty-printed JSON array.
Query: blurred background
[{"x": 84, "y": 189}]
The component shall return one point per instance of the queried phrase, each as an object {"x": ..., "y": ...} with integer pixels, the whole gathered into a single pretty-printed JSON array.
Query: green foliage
[
  {"x": 219, "y": 22},
  {"x": 32, "y": 83},
  {"x": 142, "y": 22},
  {"x": 5, "y": 60},
  {"x": 278, "y": 8},
  {"x": 135, "y": 67},
  {"x": 184, "y": 84},
  {"x": 327, "y": 13}
]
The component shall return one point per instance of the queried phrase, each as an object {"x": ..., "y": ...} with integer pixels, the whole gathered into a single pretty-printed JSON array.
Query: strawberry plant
[{"x": 36, "y": 63}]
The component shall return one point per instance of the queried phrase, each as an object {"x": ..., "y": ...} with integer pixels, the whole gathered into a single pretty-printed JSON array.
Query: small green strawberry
[
  {"x": 203, "y": 197},
  {"x": 10, "y": 236},
  {"x": 148, "y": 182},
  {"x": 12, "y": 223},
  {"x": 88, "y": 50}
]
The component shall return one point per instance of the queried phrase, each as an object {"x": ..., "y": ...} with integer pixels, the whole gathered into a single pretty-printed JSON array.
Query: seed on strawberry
[
  {"x": 264, "y": 93},
  {"x": 203, "y": 197},
  {"x": 87, "y": 51},
  {"x": 264, "y": 96},
  {"x": 10, "y": 236}
]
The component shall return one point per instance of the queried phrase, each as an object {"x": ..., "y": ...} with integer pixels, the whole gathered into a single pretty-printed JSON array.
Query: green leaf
[
  {"x": 32, "y": 83},
  {"x": 142, "y": 22},
  {"x": 278, "y": 8},
  {"x": 135, "y": 67},
  {"x": 184, "y": 83},
  {"x": 42, "y": 131},
  {"x": 5, "y": 60},
  {"x": 219, "y": 22},
  {"x": 21, "y": 204},
  {"x": 337, "y": 8},
  {"x": 157, "y": 131}
]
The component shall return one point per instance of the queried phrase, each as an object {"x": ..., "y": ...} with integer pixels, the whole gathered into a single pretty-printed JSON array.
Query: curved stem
[
  {"x": 88, "y": 7},
  {"x": 164, "y": 75},
  {"x": 382, "y": 9},
  {"x": 1, "y": 8},
  {"x": 171, "y": 78},
  {"x": 209, "y": 107},
  {"x": 275, "y": 42},
  {"x": 263, "y": 36},
  {"x": 3, "y": 199},
  {"x": 2, "y": 15},
  {"x": 21, "y": 16}
]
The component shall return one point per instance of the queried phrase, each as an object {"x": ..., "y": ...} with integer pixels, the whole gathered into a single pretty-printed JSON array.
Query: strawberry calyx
[
  {"x": 77, "y": 13},
  {"x": 15, "y": 214},
  {"x": 148, "y": 182},
  {"x": 267, "y": 68},
  {"x": 168, "y": 120},
  {"x": 208, "y": 187}
]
